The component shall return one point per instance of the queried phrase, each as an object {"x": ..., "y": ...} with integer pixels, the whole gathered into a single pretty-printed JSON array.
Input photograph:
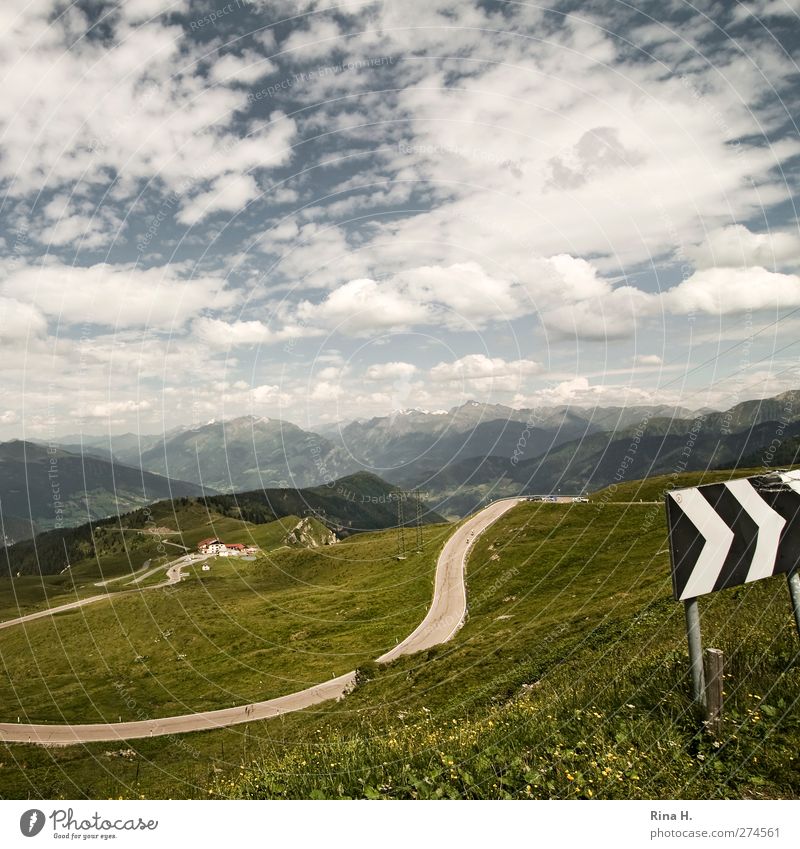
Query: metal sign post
[{"x": 695, "y": 651}]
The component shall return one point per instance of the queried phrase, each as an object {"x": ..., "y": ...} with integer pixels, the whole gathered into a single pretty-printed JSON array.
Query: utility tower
[
  {"x": 414, "y": 514},
  {"x": 401, "y": 529},
  {"x": 418, "y": 518}
]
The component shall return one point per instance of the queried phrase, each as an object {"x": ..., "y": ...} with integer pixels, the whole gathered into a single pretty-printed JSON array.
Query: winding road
[{"x": 445, "y": 616}]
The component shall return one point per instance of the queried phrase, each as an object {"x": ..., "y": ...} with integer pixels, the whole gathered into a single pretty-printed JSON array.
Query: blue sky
[{"x": 320, "y": 211}]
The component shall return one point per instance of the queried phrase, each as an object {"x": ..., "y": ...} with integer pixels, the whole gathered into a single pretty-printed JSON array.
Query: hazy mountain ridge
[
  {"x": 660, "y": 446},
  {"x": 246, "y": 453},
  {"x": 459, "y": 456},
  {"x": 41, "y": 488},
  {"x": 357, "y": 502}
]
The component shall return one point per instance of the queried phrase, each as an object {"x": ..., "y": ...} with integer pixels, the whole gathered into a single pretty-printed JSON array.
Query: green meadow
[{"x": 568, "y": 680}]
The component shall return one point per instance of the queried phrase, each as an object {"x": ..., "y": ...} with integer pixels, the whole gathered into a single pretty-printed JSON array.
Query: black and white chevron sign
[{"x": 725, "y": 534}]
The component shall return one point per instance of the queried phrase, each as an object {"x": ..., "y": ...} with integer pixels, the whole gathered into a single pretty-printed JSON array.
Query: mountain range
[{"x": 459, "y": 457}]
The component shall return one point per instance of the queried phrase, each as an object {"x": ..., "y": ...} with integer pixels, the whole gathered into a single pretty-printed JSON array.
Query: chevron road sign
[{"x": 727, "y": 534}]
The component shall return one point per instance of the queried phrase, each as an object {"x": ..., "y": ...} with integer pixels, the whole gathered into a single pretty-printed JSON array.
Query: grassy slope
[
  {"x": 569, "y": 679},
  {"x": 653, "y": 489},
  {"x": 122, "y": 550},
  {"x": 244, "y": 631}
]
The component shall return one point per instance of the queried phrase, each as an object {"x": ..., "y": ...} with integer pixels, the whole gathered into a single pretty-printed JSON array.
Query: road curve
[
  {"x": 444, "y": 618},
  {"x": 449, "y": 606}
]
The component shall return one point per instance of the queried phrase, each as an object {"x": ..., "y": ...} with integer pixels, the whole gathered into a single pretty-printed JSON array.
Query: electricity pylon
[{"x": 401, "y": 496}]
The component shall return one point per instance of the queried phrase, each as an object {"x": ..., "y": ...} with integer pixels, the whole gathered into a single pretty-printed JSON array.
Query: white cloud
[
  {"x": 247, "y": 68},
  {"x": 137, "y": 11},
  {"x": 736, "y": 247},
  {"x": 578, "y": 391},
  {"x": 390, "y": 371},
  {"x": 229, "y": 193},
  {"x": 724, "y": 291},
  {"x": 479, "y": 372},
  {"x": 529, "y": 186},
  {"x": 129, "y": 108},
  {"x": 614, "y": 315},
  {"x": 265, "y": 394},
  {"x": 634, "y": 141},
  {"x": 20, "y": 320},
  {"x": 361, "y": 306},
  {"x": 317, "y": 40},
  {"x": 463, "y": 290},
  {"x": 647, "y": 360},
  {"x": 457, "y": 296},
  {"x": 324, "y": 390},
  {"x": 221, "y": 335},
  {"x": 766, "y": 9},
  {"x": 118, "y": 296},
  {"x": 113, "y": 408}
]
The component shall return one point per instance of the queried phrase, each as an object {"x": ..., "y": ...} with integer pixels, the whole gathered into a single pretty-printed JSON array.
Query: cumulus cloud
[
  {"x": 247, "y": 68},
  {"x": 134, "y": 103},
  {"x": 229, "y": 193},
  {"x": 566, "y": 170},
  {"x": 364, "y": 305},
  {"x": 598, "y": 151},
  {"x": 477, "y": 371},
  {"x": 725, "y": 291},
  {"x": 113, "y": 408},
  {"x": 737, "y": 247},
  {"x": 20, "y": 320},
  {"x": 580, "y": 391},
  {"x": 315, "y": 41},
  {"x": 265, "y": 394},
  {"x": 114, "y": 295},
  {"x": 614, "y": 315},
  {"x": 220, "y": 334},
  {"x": 390, "y": 371},
  {"x": 464, "y": 290}
]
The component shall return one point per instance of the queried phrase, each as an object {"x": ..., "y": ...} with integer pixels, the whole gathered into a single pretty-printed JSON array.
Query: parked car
[{"x": 580, "y": 499}]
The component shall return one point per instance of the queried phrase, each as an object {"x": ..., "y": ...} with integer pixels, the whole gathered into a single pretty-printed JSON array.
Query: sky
[{"x": 320, "y": 211}]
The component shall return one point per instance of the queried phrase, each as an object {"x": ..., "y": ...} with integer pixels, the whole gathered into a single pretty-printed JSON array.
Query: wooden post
[
  {"x": 793, "y": 579},
  {"x": 714, "y": 685},
  {"x": 695, "y": 651}
]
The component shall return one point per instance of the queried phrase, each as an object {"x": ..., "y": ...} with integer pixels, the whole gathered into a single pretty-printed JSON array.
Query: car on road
[{"x": 580, "y": 499}]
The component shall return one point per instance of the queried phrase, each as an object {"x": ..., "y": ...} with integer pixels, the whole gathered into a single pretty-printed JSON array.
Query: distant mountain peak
[{"x": 410, "y": 411}]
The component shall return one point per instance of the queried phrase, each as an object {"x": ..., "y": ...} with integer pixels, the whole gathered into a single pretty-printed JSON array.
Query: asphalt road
[
  {"x": 444, "y": 618},
  {"x": 449, "y": 606}
]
